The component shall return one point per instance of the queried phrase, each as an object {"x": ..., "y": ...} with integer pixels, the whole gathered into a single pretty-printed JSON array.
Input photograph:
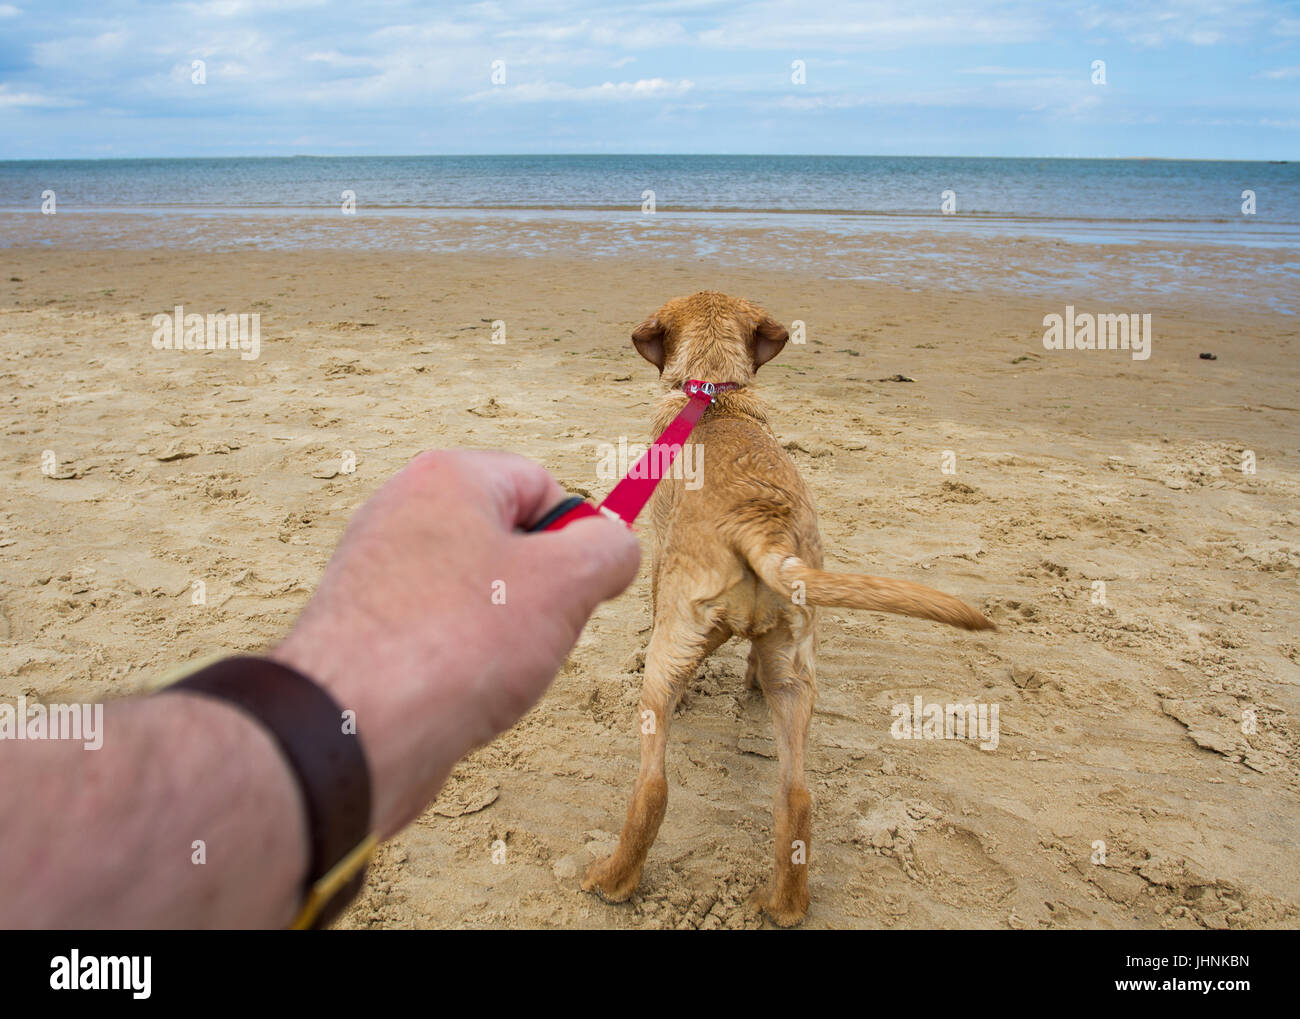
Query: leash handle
[{"x": 564, "y": 513}]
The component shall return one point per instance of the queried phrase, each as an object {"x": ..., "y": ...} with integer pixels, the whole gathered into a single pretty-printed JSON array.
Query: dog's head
[{"x": 709, "y": 336}]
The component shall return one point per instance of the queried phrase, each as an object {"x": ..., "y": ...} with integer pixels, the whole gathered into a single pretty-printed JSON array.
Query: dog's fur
[{"x": 739, "y": 557}]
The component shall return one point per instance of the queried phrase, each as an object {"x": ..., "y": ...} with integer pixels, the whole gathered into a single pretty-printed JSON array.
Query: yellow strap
[
  {"x": 329, "y": 884},
  {"x": 181, "y": 671}
]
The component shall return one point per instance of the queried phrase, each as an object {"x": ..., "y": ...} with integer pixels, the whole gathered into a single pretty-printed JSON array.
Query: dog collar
[
  {"x": 632, "y": 493},
  {"x": 692, "y": 386}
]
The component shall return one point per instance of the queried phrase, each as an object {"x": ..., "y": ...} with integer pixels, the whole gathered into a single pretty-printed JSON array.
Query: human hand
[{"x": 439, "y": 625}]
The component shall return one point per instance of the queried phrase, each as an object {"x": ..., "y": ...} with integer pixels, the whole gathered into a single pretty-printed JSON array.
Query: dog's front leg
[
  {"x": 676, "y": 649},
  {"x": 617, "y": 876}
]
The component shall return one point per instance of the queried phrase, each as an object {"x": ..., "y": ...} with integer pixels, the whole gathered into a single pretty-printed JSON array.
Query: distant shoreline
[
  {"x": 295, "y": 223},
  {"x": 939, "y": 254},
  {"x": 646, "y": 155}
]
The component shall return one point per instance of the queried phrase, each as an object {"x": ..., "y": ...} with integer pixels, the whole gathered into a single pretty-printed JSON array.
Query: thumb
[{"x": 595, "y": 558}]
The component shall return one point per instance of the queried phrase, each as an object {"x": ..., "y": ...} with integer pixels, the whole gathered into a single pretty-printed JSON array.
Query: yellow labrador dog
[{"x": 739, "y": 556}]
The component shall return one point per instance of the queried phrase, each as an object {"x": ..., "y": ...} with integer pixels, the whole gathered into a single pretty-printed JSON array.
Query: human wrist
[
  {"x": 326, "y": 759},
  {"x": 227, "y": 790},
  {"x": 411, "y": 736}
]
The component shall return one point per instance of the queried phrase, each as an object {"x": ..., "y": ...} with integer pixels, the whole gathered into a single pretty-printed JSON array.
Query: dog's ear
[
  {"x": 648, "y": 338},
  {"x": 768, "y": 339}
]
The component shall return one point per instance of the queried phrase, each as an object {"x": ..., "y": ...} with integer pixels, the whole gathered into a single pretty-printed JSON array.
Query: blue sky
[{"x": 1207, "y": 79}]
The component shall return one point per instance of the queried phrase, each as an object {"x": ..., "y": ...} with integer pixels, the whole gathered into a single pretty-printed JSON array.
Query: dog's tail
[{"x": 793, "y": 577}]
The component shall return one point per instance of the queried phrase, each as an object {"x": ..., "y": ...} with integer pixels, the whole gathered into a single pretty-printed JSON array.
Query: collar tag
[{"x": 692, "y": 387}]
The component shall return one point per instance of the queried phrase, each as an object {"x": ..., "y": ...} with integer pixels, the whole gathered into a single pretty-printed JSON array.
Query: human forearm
[{"x": 105, "y": 838}]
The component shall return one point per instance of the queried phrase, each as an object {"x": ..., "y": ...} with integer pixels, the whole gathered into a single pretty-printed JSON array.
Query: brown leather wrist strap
[{"x": 328, "y": 762}]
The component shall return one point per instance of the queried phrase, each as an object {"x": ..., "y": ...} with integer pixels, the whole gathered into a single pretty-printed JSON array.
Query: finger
[
  {"x": 517, "y": 490},
  {"x": 525, "y": 490}
]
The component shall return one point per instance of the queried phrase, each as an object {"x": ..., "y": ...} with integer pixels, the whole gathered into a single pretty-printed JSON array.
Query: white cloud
[
  {"x": 547, "y": 33},
  {"x": 74, "y": 52},
  {"x": 552, "y": 91},
  {"x": 1005, "y": 72},
  {"x": 339, "y": 61},
  {"x": 641, "y": 36},
  {"x": 1056, "y": 95},
  {"x": 626, "y": 34},
  {"x": 429, "y": 33},
  {"x": 15, "y": 99},
  {"x": 1197, "y": 22},
  {"x": 238, "y": 8},
  {"x": 843, "y": 25}
]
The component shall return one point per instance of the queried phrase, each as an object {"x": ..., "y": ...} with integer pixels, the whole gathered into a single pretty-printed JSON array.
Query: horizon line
[{"x": 562, "y": 155}]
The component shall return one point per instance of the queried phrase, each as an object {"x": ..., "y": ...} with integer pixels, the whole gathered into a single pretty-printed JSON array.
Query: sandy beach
[{"x": 133, "y": 475}]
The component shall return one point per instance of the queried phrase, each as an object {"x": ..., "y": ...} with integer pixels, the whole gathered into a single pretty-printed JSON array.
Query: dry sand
[{"x": 1121, "y": 723}]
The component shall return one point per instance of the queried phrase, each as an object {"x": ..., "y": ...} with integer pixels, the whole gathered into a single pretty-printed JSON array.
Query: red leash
[{"x": 632, "y": 493}]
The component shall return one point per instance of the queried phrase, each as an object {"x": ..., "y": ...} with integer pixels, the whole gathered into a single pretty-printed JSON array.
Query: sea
[{"x": 835, "y": 214}]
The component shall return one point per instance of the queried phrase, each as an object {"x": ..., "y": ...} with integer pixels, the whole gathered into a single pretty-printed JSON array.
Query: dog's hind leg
[
  {"x": 787, "y": 673},
  {"x": 751, "y": 669},
  {"x": 677, "y": 647}
]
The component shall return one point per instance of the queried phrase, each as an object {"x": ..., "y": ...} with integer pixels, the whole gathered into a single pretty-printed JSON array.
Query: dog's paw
[
  {"x": 784, "y": 911},
  {"x": 603, "y": 880}
]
